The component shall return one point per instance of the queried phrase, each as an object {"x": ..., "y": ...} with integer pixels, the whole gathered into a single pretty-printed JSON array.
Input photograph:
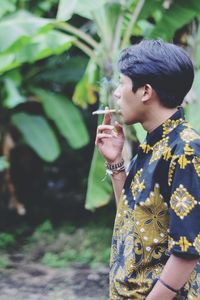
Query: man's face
[{"x": 130, "y": 103}]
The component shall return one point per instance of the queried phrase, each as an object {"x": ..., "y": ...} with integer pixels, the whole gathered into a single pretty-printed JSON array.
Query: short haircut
[{"x": 166, "y": 67}]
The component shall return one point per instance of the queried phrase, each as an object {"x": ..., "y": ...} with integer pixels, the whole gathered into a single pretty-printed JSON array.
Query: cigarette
[{"x": 102, "y": 112}]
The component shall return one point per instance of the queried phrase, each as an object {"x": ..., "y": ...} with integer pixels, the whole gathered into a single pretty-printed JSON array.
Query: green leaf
[
  {"x": 13, "y": 96},
  {"x": 180, "y": 13},
  {"x": 149, "y": 8},
  {"x": 192, "y": 109},
  {"x": 140, "y": 132},
  {"x": 44, "y": 45},
  {"x": 19, "y": 28},
  {"x": 66, "y": 116},
  {"x": 106, "y": 18},
  {"x": 86, "y": 90},
  {"x": 7, "y": 62},
  {"x": 40, "y": 46},
  {"x": 143, "y": 28},
  {"x": 67, "y": 8},
  {"x": 63, "y": 70},
  {"x": 197, "y": 49},
  {"x": 4, "y": 164},
  {"x": 6, "y": 7},
  {"x": 38, "y": 135},
  {"x": 98, "y": 191}
]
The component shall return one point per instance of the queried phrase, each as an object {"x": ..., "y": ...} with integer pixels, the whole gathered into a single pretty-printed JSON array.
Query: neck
[{"x": 156, "y": 117}]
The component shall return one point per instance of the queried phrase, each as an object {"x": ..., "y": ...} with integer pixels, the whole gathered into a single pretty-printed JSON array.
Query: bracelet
[
  {"x": 168, "y": 286},
  {"x": 115, "y": 168}
]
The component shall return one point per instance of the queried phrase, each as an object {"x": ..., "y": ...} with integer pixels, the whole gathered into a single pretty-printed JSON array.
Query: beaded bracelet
[{"x": 115, "y": 168}]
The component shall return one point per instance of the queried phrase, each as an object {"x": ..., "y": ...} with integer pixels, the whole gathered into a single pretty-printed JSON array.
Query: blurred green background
[{"x": 57, "y": 65}]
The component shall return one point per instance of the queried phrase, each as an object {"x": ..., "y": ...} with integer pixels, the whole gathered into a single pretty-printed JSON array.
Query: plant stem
[
  {"x": 117, "y": 35},
  {"x": 116, "y": 40},
  {"x": 87, "y": 50},
  {"x": 79, "y": 33},
  {"x": 132, "y": 22},
  {"x": 104, "y": 35}
]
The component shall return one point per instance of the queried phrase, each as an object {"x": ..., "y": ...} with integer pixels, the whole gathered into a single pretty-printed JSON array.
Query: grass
[
  {"x": 87, "y": 245},
  {"x": 61, "y": 246}
]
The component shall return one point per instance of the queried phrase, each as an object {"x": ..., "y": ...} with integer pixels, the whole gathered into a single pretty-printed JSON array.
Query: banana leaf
[
  {"x": 17, "y": 29},
  {"x": 99, "y": 188},
  {"x": 66, "y": 117},
  {"x": 67, "y": 8},
  {"x": 86, "y": 89},
  {"x": 40, "y": 46},
  {"x": 179, "y": 13},
  {"x": 37, "y": 133}
]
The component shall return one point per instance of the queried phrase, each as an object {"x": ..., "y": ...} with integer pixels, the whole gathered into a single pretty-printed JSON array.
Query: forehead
[{"x": 124, "y": 78}]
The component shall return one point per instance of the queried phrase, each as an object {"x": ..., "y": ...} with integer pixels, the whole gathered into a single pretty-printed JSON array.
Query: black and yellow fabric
[{"x": 158, "y": 212}]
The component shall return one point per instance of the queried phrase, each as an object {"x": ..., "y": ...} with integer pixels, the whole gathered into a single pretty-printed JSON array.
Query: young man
[{"x": 156, "y": 239}]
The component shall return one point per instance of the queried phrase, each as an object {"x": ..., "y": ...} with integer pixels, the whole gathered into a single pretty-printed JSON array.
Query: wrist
[
  {"x": 169, "y": 287},
  {"x": 161, "y": 291},
  {"x": 115, "y": 168},
  {"x": 114, "y": 161}
]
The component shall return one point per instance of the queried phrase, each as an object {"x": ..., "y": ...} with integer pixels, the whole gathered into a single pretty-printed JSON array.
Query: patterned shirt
[{"x": 158, "y": 212}]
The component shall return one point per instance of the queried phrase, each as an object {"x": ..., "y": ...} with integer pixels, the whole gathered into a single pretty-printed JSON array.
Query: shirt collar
[{"x": 164, "y": 129}]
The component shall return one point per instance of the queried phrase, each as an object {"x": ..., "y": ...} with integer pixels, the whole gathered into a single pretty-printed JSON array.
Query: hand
[{"x": 110, "y": 139}]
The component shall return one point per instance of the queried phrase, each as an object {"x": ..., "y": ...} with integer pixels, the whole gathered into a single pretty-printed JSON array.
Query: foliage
[
  {"x": 60, "y": 246},
  {"x": 67, "y": 8},
  {"x": 6, "y": 240},
  {"x": 4, "y": 261},
  {"x": 67, "y": 244},
  {"x": 177, "y": 15},
  {"x": 44, "y": 228},
  {"x": 32, "y": 38},
  {"x": 4, "y": 164},
  {"x": 34, "y": 129},
  {"x": 89, "y": 245},
  {"x": 192, "y": 108},
  {"x": 95, "y": 193},
  {"x": 105, "y": 28},
  {"x": 66, "y": 116}
]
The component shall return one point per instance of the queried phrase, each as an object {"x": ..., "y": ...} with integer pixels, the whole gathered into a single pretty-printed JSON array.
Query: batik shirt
[{"x": 158, "y": 212}]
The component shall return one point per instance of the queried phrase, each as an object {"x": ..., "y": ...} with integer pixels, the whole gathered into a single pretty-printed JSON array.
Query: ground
[{"x": 32, "y": 281}]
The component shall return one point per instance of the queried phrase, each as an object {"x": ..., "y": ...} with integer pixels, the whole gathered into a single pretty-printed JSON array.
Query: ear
[{"x": 147, "y": 92}]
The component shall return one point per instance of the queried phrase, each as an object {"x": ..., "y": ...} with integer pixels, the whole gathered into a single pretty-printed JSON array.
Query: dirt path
[{"x": 30, "y": 281}]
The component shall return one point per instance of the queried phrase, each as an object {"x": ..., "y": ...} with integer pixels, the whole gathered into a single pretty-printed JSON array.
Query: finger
[
  {"x": 101, "y": 128},
  {"x": 101, "y": 136},
  {"x": 107, "y": 118}
]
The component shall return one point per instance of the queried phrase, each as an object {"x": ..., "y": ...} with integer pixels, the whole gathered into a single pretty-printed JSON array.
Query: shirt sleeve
[{"x": 184, "y": 212}]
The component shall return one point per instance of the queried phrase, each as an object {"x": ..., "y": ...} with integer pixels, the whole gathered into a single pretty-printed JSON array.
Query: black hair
[{"x": 166, "y": 67}]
